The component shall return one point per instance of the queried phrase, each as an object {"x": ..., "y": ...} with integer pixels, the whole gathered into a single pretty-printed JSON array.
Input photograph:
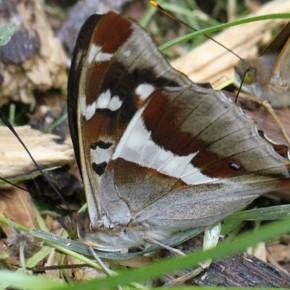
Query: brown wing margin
[{"x": 79, "y": 55}]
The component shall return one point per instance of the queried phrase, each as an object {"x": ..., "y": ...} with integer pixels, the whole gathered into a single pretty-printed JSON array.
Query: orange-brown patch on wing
[
  {"x": 111, "y": 32},
  {"x": 95, "y": 128},
  {"x": 213, "y": 165},
  {"x": 163, "y": 118},
  {"x": 94, "y": 80}
]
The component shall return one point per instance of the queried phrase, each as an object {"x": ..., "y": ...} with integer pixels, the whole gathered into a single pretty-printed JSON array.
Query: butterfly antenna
[
  {"x": 241, "y": 84},
  {"x": 172, "y": 16},
  {"x": 10, "y": 127}
]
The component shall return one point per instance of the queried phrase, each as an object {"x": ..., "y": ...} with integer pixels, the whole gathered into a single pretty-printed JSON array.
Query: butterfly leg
[
  {"x": 108, "y": 271},
  {"x": 170, "y": 249}
]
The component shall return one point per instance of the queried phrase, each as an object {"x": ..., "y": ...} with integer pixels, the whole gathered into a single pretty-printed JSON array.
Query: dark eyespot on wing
[
  {"x": 101, "y": 144},
  {"x": 99, "y": 168},
  {"x": 235, "y": 165}
]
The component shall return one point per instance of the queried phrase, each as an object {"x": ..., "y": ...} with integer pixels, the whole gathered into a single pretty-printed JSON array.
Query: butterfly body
[
  {"x": 270, "y": 72},
  {"x": 158, "y": 153}
]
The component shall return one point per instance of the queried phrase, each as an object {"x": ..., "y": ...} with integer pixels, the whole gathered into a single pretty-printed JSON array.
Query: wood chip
[
  {"x": 34, "y": 58},
  {"x": 47, "y": 152}
]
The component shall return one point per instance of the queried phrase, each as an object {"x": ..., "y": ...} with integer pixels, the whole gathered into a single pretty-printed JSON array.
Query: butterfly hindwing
[{"x": 217, "y": 164}]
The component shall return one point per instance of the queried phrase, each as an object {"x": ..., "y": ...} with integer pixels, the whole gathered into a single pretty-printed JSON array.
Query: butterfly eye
[{"x": 249, "y": 76}]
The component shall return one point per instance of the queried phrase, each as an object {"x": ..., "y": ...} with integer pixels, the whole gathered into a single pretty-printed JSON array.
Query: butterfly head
[{"x": 246, "y": 72}]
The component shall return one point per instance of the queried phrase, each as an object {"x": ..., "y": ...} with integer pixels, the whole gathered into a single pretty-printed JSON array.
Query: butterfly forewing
[
  {"x": 157, "y": 152},
  {"x": 115, "y": 69}
]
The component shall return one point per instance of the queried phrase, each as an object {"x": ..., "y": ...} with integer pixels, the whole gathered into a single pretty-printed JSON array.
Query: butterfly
[
  {"x": 158, "y": 154},
  {"x": 267, "y": 76}
]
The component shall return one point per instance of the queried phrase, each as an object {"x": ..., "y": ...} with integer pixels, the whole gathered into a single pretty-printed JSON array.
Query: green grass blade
[
  {"x": 262, "y": 214},
  {"x": 24, "y": 281},
  {"x": 208, "y": 31},
  {"x": 165, "y": 266}
]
